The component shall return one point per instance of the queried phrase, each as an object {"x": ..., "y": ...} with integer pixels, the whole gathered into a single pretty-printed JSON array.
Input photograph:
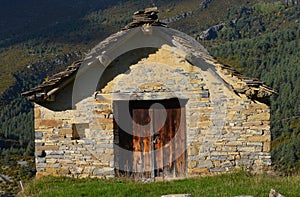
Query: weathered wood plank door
[
  {"x": 158, "y": 140},
  {"x": 170, "y": 144},
  {"x": 142, "y": 146}
]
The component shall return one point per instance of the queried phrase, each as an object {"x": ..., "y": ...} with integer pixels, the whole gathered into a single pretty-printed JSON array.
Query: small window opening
[{"x": 79, "y": 130}]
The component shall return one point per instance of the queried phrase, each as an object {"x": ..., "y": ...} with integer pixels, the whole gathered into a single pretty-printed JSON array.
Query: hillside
[
  {"x": 264, "y": 43},
  {"x": 259, "y": 39}
]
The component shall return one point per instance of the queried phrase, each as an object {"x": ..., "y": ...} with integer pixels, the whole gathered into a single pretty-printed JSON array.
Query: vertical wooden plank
[
  {"x": 116, "y": 144},
  {"x": 168, "y": 147},
  {"x": 147, "y": 140},
  {"x": 181, "y": 143},
  {"x": 125, "y": 146},
  {"x": 137, "y": 157},
  {"x": 122, "y": 141},
  {"x": 152, "y": 144},
  {"x": 174, "y": 121},
  {"x": 177, "y": 143},
  {"x": 142, "y": 142},
  {"x": 159, "y": 117},
  {"x": 146, "y": 152}
]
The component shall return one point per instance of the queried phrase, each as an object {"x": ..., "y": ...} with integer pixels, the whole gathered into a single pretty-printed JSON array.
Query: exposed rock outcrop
[
  {"x": 205, "y": 3},
  {"x": 210, "y": 33},
  {"x": 177, "y": 17},
  {"x": 291, "y": 2},
  {"x": 183, "y": 15}
]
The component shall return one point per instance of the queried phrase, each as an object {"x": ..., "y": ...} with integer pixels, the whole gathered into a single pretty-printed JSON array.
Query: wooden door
[
  {"x": 170, "y": 143},
  {"x": 158, "y": 140},
  {"x": 142, "y": 142}
]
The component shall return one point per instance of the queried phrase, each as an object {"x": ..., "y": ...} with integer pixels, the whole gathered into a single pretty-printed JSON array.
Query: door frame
[{"x": 120, "y": 138}]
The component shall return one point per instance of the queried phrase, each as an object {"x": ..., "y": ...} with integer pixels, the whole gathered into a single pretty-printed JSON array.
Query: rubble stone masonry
[{"x": 225, "y": 131}]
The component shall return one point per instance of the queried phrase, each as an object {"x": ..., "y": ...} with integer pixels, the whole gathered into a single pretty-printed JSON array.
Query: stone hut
[{"x": 149, "y": 102}]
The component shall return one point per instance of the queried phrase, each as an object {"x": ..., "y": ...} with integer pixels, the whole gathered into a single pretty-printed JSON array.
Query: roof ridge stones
[
  {"x": 251, "y": 87},
  {"x": 148, "y": 16}
]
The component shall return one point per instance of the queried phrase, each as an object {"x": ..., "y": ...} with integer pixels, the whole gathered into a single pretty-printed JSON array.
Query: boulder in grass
[{"x": 274, "y": 193}]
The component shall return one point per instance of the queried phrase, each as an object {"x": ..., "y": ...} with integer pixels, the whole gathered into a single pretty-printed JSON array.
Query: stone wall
[
  {"x": 225, "y": 131},
  {"x": 77, "y": 143},
  {"x": 240, "y": 138}
]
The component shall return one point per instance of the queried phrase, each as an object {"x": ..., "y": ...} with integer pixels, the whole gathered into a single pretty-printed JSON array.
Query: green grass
[{"x": 233, "y": 184}]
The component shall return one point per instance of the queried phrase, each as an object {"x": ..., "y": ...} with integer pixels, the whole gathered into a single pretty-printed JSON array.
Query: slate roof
[
  {"x": 52, "y": 84},
  {"x": 251, "y": 87}
]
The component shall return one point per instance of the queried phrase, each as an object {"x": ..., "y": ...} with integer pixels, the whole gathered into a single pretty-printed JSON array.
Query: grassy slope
[{"x": 222, "y": 185}]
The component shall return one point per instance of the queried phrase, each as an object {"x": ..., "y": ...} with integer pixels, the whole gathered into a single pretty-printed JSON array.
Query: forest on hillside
[
  {"x": 270, "y": 52},
  {"x": 259, "y": 39}
]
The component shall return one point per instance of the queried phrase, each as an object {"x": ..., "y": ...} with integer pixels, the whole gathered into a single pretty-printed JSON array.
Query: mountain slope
[
  {"x": 259, "y": 39},
  {"x": 265, "y": 43}
]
